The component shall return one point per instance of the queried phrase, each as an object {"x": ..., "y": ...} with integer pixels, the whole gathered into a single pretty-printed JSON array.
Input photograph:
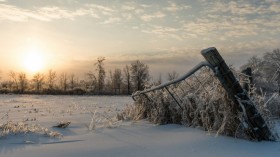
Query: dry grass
[
  {"x": 204, "y": 106},
  {"x": 11, "y": 128},
  {"x": 102, "y": 120}
]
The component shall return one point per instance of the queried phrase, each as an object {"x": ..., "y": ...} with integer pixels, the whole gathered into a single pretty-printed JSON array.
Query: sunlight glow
[{"x": 33, "y": 61}]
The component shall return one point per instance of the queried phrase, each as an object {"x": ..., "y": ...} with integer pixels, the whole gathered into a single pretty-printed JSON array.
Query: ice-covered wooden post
[
  {"x": 257, "y": 128},
  {"x": 248, "y": 84}
]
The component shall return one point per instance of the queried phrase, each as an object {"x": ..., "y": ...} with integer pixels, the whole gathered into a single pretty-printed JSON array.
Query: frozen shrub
[
  {"x": 201, "y": 103},
  {"x": 11, "y": 128},
  {"x": 103, "y": 120}
]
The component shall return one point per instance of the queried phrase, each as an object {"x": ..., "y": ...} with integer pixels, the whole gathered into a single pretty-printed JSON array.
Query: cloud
[
  {"x": 13, "y": 13},
  {"x": 231, "y": 20},
  {"x": 128, "y": 7},
  {"x": 100, "y": 8},
  {"x": 112, "y": 20},
  {"x": 173, "y": 7},
  {"x": 243, "y": 8},
  {"x": 127, "y": 16},
  {"x": 163, "y": 31},
  {"x": 49, "y": 13},
  {"x": 224, "y": 21},
  {"x": 149, "y": 17},
  {"x": 274, "y": 7},
  {"x": 199, "y": 27},
  {"x": 58, "y": 13}
]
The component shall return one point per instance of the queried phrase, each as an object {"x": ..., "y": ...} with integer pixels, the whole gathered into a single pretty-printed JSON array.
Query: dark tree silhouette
[
  {"x": 14, "y": 80},
  {"x": 100, "y": 74},
  {"x": 73, "y": 81},
  {"x": 117, "y": 80},
  {"x": 51, "y": 78},
  {"x": 38, "y": 80},
  {"x": 91, "y": 82},
  {"x": 139, "y": 75},
  {"x": 63, "y": 81},
  {"x": 127, "y": 78},
  {"x": 23, "y": 82}
]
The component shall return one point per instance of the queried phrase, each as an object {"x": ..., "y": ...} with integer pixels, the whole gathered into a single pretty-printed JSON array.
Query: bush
[{"x": 207, "y": 107}]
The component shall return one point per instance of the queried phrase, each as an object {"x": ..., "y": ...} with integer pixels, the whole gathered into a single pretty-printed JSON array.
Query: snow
[{"x": 120, "y": 139}]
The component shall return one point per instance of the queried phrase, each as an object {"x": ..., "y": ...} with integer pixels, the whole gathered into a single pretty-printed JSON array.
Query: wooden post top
[{"x": 212, "y": 55}]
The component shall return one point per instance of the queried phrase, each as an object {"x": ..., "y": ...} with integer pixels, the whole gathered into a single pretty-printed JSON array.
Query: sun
[{"x": 33, "y": 61}]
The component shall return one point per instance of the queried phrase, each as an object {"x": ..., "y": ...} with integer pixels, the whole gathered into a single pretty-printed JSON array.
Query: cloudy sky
[{"x": 167, "y": 35}]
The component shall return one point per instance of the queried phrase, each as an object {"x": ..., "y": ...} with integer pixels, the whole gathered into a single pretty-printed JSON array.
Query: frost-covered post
[
  {"x": 257, "y": 128},
  {"x": 248, "y": 85}
]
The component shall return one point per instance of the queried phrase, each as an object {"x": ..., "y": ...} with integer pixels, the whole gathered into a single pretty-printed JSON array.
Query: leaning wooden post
[{"x": 257, "y": 128}]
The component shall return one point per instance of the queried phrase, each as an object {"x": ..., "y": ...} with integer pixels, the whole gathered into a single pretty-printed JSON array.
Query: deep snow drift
[{"x": 94, "y": 131}]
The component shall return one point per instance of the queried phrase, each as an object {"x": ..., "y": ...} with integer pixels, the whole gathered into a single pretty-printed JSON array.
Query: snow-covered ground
[{"x": 94, "y": 132}]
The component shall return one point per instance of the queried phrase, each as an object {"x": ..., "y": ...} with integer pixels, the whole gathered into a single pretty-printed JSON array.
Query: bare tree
[
  {"x": 139, "y": 74},
  {"x": 22, "y": 80},
  {"x": 51, "y": 78},
  {"x": 271, "y": 65},
  {"x": 110, "y": 82},
  {"x": 256, "y": 64},
  {"x": 273, "y": 57},
  {"x": 266, "y": 71},
  {"x": 14, "y": 80},
  {"x": 73, "y": 81},
  {"x": 271, "y": 62},
  {"x": 117, "y": 80},
  {"x": 172, "y": 75},
  {"x": 63, "y": 81},
  {"x": 100, "y": 73},
  {"x": 91, "y": 81},
  {"x": 158, "y": 81},
  {"x": 127, "y": 78},
  {"x": 38, "y": 80}
]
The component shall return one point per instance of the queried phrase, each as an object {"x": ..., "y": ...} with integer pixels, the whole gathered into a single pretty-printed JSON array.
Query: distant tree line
[
  {"x": 117, "y": 81},
  {"x": 131, "y": 78}
]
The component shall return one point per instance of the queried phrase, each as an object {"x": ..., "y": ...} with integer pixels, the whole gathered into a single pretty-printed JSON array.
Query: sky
[{"x": 167, "y": 35}]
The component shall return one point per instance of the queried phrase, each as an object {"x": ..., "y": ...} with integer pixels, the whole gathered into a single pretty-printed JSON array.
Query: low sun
[{"x": 33, "y": 61}]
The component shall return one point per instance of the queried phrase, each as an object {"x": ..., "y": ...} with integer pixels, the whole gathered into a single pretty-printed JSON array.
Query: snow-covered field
[{"x": 94, "y": 131}]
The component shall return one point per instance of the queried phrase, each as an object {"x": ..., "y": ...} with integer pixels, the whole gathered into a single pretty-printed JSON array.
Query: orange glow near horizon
[{"x": 33, "y": 60}]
